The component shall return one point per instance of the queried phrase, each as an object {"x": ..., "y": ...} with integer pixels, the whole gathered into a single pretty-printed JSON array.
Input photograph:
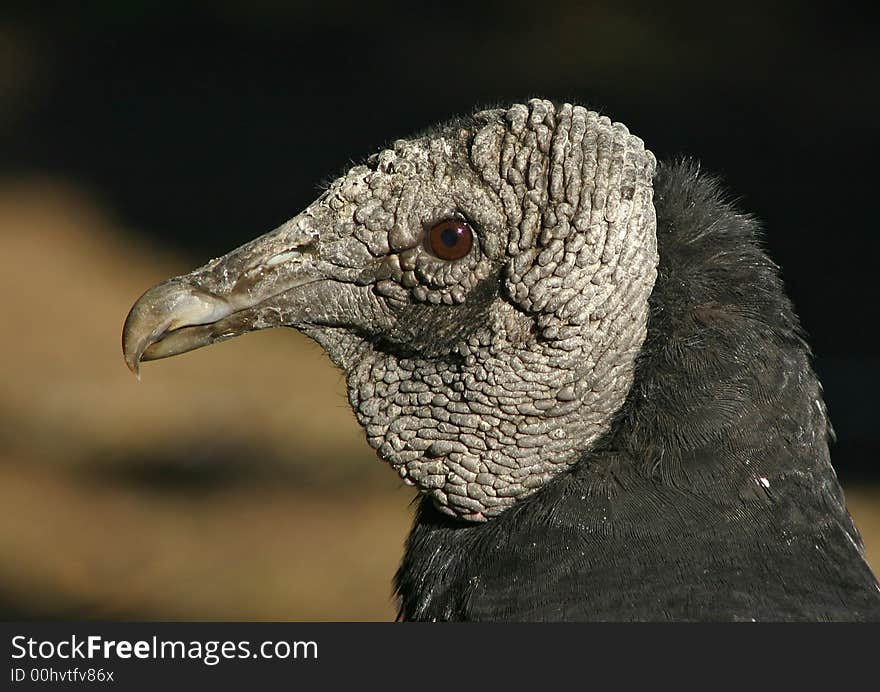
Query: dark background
[{"x": 199, "y": 126}]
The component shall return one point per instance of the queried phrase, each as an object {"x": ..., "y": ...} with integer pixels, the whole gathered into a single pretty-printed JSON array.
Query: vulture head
[
  {"x": 484, "y": 287},
  {"x": 586, "y": 364}
]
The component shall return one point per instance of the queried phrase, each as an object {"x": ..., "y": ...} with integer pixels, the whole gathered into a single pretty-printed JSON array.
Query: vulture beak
[{"x": 260, "y": 285}]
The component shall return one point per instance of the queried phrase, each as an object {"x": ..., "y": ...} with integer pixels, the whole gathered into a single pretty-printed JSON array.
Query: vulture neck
[{"x": 717, "y": 461}]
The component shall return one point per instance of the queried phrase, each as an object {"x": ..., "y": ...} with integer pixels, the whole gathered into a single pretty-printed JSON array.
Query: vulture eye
[{"x": 451, "y": 239}]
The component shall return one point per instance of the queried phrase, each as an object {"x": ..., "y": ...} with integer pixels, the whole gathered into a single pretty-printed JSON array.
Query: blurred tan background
[
  {"x": 231, "y": 483},
  {"x": 138, "y": 141}
]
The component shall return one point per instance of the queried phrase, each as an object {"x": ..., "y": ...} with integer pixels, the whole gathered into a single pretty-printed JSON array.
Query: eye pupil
[
  {"x": 451, "y": 239},
  {"x": 450, "y": 236}
]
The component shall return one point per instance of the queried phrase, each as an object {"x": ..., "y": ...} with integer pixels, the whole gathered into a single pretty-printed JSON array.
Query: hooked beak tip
[
  {"x": 132, "y": 351},
  {"x": 156, "y": 325},
  {"x": 134, "y": 365}
]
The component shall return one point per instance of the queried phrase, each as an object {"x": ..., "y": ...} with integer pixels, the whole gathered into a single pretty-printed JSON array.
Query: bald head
[{"x": 484, "y": 287}]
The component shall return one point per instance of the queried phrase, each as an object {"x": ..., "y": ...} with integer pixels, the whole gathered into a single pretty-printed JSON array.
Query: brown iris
[{"x": 451, "y": 239}]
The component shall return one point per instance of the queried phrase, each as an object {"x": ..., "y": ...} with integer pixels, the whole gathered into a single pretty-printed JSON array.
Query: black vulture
[{"x": 583, "y": 360}]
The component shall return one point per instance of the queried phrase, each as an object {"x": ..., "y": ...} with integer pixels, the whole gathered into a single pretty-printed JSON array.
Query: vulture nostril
[{"x": 451, "y": 239}]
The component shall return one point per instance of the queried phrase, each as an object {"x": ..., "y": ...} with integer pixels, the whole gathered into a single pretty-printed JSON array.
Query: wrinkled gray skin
[{"x": 476, "y": 379}]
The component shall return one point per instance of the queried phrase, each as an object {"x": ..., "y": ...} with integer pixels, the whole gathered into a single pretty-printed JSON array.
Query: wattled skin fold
[{"x": 585, "y": 363}]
